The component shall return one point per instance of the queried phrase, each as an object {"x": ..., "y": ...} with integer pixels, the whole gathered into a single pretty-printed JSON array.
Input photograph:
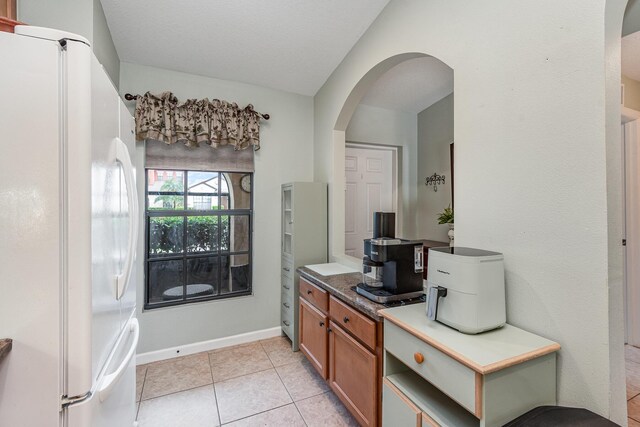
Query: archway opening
[{"x": 394, "y": 130}]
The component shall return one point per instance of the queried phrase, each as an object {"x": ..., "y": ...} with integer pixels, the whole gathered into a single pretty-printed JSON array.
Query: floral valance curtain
[{"x": 216, "y": 123}]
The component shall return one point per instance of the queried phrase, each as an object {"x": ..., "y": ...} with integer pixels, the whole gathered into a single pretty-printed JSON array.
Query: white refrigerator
[{"x": 68, "y": 233}]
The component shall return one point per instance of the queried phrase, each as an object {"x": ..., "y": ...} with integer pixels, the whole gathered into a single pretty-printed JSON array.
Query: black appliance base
[{"x": 382, "y": 296}]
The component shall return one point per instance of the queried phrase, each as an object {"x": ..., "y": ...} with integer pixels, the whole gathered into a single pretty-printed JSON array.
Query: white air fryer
[{"x": 465, "y": 289}]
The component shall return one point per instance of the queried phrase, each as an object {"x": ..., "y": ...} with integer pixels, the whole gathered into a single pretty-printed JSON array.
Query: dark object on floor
[
  {"x": 559, "y": 416},
  {"x": 193, "y": 291}
]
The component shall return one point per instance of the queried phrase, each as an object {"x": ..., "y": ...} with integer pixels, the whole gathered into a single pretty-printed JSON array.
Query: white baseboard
[{"x": 187, "y": 349}]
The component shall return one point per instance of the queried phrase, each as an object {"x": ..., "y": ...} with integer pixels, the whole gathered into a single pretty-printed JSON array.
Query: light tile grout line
[
  {"x": 175, "y": 392},
  {"x": 215, "y": 395},
  {"x": 139, "y": 402},
  {"x": 290, "y": 397},
  {"x": 258, "y": 413}
]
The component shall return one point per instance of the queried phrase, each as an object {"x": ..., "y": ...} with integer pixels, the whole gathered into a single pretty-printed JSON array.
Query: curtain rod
[{"x": 265, "y": 116}]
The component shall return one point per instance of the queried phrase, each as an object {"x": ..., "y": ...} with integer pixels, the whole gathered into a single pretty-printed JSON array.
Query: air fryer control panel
[{"x": 418, "y": 259}]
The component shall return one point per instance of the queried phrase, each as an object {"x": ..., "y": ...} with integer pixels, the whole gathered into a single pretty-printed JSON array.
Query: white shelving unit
[{"x": 304, "y": 241}]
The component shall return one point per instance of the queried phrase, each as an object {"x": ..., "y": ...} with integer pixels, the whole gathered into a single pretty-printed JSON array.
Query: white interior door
[
  {"x": 631, "y": 137},
  {"x": 370, "y": 187}
]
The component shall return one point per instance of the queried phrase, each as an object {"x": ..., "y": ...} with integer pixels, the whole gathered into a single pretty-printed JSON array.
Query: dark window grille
[{"x": 198, "y": 236}]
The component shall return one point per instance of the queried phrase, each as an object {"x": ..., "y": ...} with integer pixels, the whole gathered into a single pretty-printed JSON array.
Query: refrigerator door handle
[
  {"x": 109, "y": 381},
  {"x": 122, "y": 157}
]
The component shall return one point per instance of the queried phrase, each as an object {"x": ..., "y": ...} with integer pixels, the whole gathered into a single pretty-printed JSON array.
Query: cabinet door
[
  {"x": 397, "y": 409},
  {"x": 313, "y": 336},
  {"x": 353, "y": 375}
]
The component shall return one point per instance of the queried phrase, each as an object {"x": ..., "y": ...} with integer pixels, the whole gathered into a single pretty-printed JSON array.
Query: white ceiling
[
  {"x": 631, "y": 56},
  {"x": 292, "y": 45},
  {"x": 411, "y": 86}
]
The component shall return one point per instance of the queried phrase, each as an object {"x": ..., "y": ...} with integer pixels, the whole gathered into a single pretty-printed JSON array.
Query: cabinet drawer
[
  {"x": 358, "y": 324},
  {"x": 287, "y": 292},
  {"x": 287, "y": 284},
  {"x": 287, "y": 267},
  {"x": 451, "y": 377},
  {"x": 397, "y": 409},
  {"x": 316, "y": 296},
  {"x": 286, "y": 324},
  {"x": 286, "y": 305}
]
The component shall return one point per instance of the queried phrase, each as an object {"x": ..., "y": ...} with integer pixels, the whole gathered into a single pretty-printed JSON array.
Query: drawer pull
[
  {"x": 321, "y": 323},
  {"x": 346, "y": 319},
  {"x": 286, "y": 268},
  {"x": 286, "y": 305},
  {"x": 286, "y": 287},
  {"x": 309, "y": 292},
  {"x": 418, "y": 357},
  {"x": 285, "y": 323}
]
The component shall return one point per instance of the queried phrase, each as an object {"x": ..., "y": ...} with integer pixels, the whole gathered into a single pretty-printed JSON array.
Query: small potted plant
[{"x": 446, "y": 217}]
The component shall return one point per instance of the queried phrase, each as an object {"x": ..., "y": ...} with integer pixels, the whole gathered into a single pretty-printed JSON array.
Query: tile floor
[
  {"x": 262, "y": 383},
  {"x": 632, "y": 357}
]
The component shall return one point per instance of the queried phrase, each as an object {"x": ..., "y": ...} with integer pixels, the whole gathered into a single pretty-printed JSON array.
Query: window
[{"x": 198, "y": 236}]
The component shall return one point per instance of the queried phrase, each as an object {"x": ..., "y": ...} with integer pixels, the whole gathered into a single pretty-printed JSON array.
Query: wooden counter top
[{"x": 339, "y": 285}]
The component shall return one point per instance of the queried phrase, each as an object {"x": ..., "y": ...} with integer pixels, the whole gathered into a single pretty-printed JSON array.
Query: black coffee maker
[{"x": 401, "y": 262}]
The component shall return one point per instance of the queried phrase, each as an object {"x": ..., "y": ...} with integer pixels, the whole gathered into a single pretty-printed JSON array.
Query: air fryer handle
[{"x": 433, "y": 297}]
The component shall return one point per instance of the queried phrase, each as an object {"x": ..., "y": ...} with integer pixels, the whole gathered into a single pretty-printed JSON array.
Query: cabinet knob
[
  {"x": 321, "y": 323},
  {"x": 286, "y": 305},
  {"x": 286, "y": 287},
  {"x": 286, "y": 268},
  {"x": 285, "y": 323},
  {"x": 418, "y": 357},
  {"x": 346, "y": 319},
  {"x": 309, "y": 292}
]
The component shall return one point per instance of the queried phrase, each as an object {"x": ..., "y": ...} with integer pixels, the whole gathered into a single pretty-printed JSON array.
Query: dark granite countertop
[
  {"x": 5, "y": 347},
  {"x": 339, "y": 285}
]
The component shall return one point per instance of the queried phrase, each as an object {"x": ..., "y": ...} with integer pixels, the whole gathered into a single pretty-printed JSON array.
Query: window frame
[{"x": 185, "y": 256}]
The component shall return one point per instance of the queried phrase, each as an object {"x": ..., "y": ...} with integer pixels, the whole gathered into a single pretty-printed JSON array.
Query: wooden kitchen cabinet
[
  {"x": 8, "y": 15},
  {"x": 314, "y": 336},
  {"x": 353, "y": 375},
  {"x": 345, "y": 346}
]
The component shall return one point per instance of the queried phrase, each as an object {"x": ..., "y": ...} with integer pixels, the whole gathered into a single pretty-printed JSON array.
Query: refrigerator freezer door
[
  {"x": 30, "y": 307},
  {"x": 113, "y": 401}
]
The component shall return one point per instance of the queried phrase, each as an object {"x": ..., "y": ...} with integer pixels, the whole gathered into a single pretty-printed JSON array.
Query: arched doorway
[{"x": 384, "y": 112}]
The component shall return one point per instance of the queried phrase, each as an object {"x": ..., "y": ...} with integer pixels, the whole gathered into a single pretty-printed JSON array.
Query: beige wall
[
  {"x": 535, "y": 174},
  {"x": 631, "y": 18},
  {"x": 285, "y": 155},
  {"x": 85, "y": 18},
  {"x": 631, "y": 93},
  {"x": 435, "y": 134}
]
